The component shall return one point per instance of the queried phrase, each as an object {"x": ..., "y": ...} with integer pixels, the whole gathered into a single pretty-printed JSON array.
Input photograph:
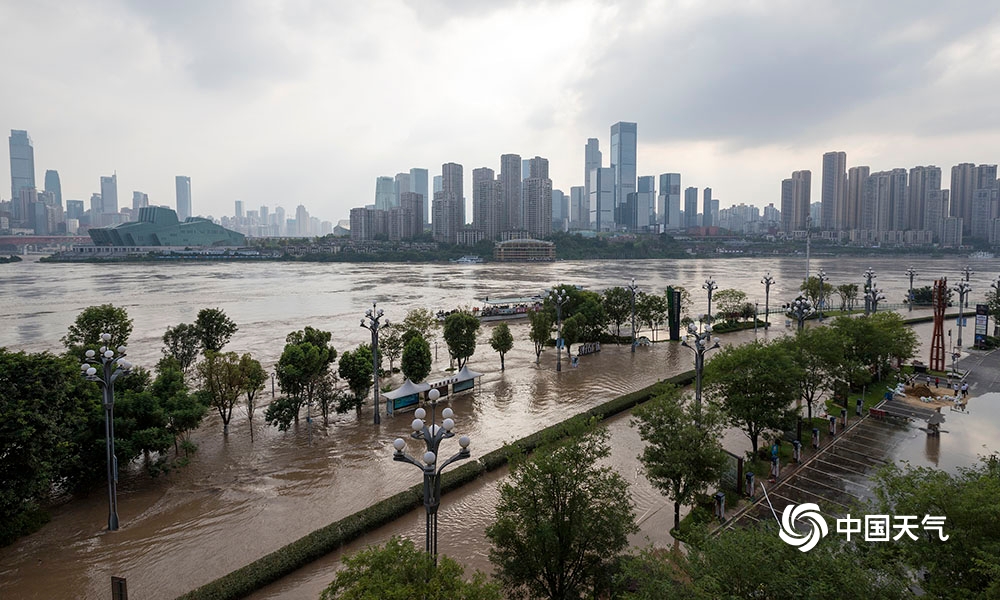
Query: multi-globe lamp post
[
  {"x": 996, "y": 294},
  {"x": 559, "y": 298},
  {"x": 822, "y": 295},
  {"x": 963, "y": 288},
  {"x": 800, "y": 309},
  {"x": 911, "y": 274},
  {"x": 372, "y": 321},
  {"x": 699, "y": 343},
  {"x": 767, "y": 281},
  {"x": 709, "y": 286},
  {"x": 632, "y": 287},
  {"x": 869, "y": 278},
  {"x": 874, "y": 296},
  {"x": 113, "y": 366},
  {"x": 431, "y": 434}
]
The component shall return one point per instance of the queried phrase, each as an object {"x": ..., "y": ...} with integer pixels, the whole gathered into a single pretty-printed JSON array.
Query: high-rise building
[
  {"x": 183, "y": 185},
  {"x": 418, "y": 184},
  {"x": 951, "y": 232},
  {"x": 53, "y": 185},
  {"x": 884, "y": 202},
  {"x": 833, "y": 195},
  {"x": 560, "y": 211},
  {"x": 982, "y": 214},
  {"x": 856, "y": 181},
  {"x": 385, "y": 193},
  {"x": 706, "y": 208},
  {"x": 510, "y": 192},
  {"x": 74, "y": 209},
  {"x": 448, "y": 209},
  {"x": 795, "y": 201},
  {"x": 668, "y": 213},
  {"x": 963, "y": 183},
  {"x": 602, "y": 199},
  {"x": 302, "y": 221},
  {"x": 936, "y": 211},
  {"x": 139, "y": 200},
  {"x": 591, "y": 161},
  {"x": 537, "y": 198},
  {"x": 109, "y": 194},
  {"x": 22, "y": 163},
  {"x": 579, "y": 212},
  {"x": 923, "y": 181},
  {"x": 401, "y": 185},
  {"x": 645, "y": 204},
  {"x": 486, "y": 202},
  {"x": 623, "y": 160},
  {"x": 238, "y": 209},
  {"x": 411, "y": 205},
  {"x": 690, "y": 207}
]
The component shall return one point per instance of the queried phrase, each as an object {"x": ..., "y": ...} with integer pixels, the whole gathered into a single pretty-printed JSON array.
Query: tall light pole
[
  {"x": 709, "y": 286},
  {"x": 700, "y": 344},
  {"x": 558, "y": 297},
  {"x": 874, "y": 296},
  {"x": 800, "y": 309},
  {"x": 963, "y": 288},
  {"x": 966, "y": 273},
  {"x": 371, "y": 322},
  {"x": 869, "y": 277},
  {"x": 113, "y": 366},
  {"x": 767, "y": 281},
  {"x": 632, "y": 287},
  {"x": 911, "y": 274},
  {"x": 822, "y": 277},
  {"x": 996, "y": 299},
  {"x": 809, "y": 221},
  {"x": 431, "y": 435}
]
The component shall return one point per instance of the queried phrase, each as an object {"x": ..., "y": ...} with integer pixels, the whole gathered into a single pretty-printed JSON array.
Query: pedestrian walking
[
  {"x": 965, "y": 390},
  {"x": 937, "y": 382}
]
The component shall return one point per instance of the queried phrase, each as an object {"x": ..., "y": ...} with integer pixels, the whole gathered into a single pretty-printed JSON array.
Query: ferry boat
[
  {"x": 502, "y": 309},
  {"x": 469, "y": 259},
  {"x": 981, "y": 255}
]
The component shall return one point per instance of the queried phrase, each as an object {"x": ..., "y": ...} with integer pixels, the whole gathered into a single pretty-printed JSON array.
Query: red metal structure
[{"x": 937, "y": 340}]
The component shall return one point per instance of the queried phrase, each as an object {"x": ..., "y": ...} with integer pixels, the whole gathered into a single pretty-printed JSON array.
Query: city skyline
[{"x": 266, "y": 120}]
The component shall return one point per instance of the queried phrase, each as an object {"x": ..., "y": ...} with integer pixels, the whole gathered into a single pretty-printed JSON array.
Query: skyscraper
[
  {"x": 486, "y": 202},
  {"x": 139, "y": 200},
  {"x": 449, "y": 205},
  {"x": 833, "y": 195},
  {"x": 109, "y": 194},
  {"x": 591, "y": 161},
  {"x": 53, "y": 185},
  {"x": 856, "y": 181},
  {"x": 623, "y": 160},
  {"x": 537, "y": 198},
  {"x": 401, "y": 185},
  {"x": 645, "y": 207},
  {"x": 579, "y": 212},
  {"x": 183, "y": 185},
  {"x": 923, "y": 181},
  {"x": 238, "y": 209},
  {"x": 22, "y": 163},
  {"x": 690, "y": 207},
  {"x": 706, "y": 208},
  {"x": 560, "y": 211},
  {"x": 385, "y": 193},
  {"x": 668, "y": 213},
  {"x": 963, "y": 183},
  {"x": 418, "y": 184},
  {"x": 510, "y": 190},
  {"x": 602, "y": 199},
  {"x": 795, "y": 201}
]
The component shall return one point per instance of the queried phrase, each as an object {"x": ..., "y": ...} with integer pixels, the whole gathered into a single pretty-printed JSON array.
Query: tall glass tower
[
  {"x": 623, "y": 162},
  {"x": 184, "y": 197},
  {"x": 22, "y": 162}
]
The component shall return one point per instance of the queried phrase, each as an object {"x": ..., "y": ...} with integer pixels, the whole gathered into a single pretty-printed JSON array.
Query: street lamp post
[
  {"x": 799, "y": 309},
  {"x": 633, "y": 287},
  {"x": 996, "y": 295},
  {"x": 869, "y": 277},
  {"x": 432, "y": 435},
  {"x": 911, "y": 274},
  {"x": 558, "y": 297},
  {"x": 113, "y": 366},
  {"x": 371, "y": 322},
  {"x": 710, "y": 287},
  {"x": 767, "y": 281},
  {"x": 874, "y": 296},
  {"x": 700, "y": 344},
  {"x": 963, "y": 288},
  {"x": 822, "y": 277}
]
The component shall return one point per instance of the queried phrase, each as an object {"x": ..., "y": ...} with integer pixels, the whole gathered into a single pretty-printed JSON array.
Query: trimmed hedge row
[{"x": 317, "y": 544}]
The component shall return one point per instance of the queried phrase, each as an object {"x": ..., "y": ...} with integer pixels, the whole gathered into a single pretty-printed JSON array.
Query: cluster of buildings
[
  {"x": 44, "y": 212},
  {"x": 894, "y": 207}
]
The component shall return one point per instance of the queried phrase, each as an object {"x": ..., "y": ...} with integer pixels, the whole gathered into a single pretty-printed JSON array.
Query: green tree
[
  {"x": 873, "y": 343},
  {"x": 254, "y": 378},
  {"x": 214, "y": 328},
  {"x": 681, "y": 457},
  {"x": 967, "y": 565},
  {"x": 754, "y": 384},
  {"x": 817, "y": 353},
  {"x": 460, "y": 330},
  {"x": 184, "y": 411},
  {"x": 304, "y": 364},
  {"x": 810, "y": 288},
  {"x": 502, "y": 341},
  {"x": 651, "y": 311},
  {"x": 618, "y": 307},
  {"x": 423, "y": 321},
  {"x": 182, "y": 342},
  {"x": 223, "y": 381},
  {"x": 355, "y": 367},
  {"x": 399, "y": 571},
  {"x": 416, "y": 361},
  {"x": 85, "y": 332},
  {"x": 562, "y": 520},
  {"x": 390, "y": 343},
  {"x": 541, "y": 331},
  {"x": 47, "y": 411},
  {"x": 924, "y": 296},
  {"x": 730, "y": 303},
  {"x": 848, "y": 293},
  {"x": 572, "y": 331}
]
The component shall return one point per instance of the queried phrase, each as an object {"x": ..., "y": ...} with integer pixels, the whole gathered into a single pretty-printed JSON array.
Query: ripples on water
[{"x": 238, "y": 501}]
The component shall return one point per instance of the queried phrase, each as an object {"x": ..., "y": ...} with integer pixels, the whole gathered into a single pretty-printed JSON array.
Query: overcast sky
[{"x": 308, "y": 101}]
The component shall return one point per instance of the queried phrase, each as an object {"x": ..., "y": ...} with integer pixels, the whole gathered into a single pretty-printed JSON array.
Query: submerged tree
[
  {"x": 460, "y": 329},
  {"x": 222, "y": 381},
  {"x": 182, "y": 343},
  {"x": 214, "y": 328},
  {"x": 85, "y": 332},
  {"x": 541, "y": 331},
  {"x": 254, "y": 378},
  {"x": 502, "y": 341},
  {"x": 416, "y": 361}
]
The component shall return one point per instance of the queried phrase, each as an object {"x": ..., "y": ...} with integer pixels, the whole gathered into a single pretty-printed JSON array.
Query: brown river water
[{"x": 240, "y": 500}]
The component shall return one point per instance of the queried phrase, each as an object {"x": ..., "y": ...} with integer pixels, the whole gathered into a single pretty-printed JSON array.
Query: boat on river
[
  {"x": 502, "y": 309},
  {"x": 468, "y": 259}
]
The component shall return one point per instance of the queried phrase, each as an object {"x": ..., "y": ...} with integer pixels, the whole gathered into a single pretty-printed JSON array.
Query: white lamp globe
[
  {"x": 417, "y": 424},
  {"x": 420, "y": 413},
  {"x": 429, "y": 457},
  {"x": 91, "y": 371},
  {"x": 433, "y": 395},
  {"x": 399, "y": 444},
  {"x": 109, "y": 354},
  {"x": 90, "y": 353},
  {"x": 447, "y": 413},
  {"x": 448, "y": 424},
  {"x": 106, "y": 336},
  {"x": 464, "y": 441}
]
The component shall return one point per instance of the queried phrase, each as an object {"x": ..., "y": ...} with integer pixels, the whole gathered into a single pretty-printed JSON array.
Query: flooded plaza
[{"x": 238, "y": 500}]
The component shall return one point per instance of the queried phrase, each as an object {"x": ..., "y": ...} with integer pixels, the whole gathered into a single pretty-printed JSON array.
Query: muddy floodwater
[{"x": 239, "y": 500}]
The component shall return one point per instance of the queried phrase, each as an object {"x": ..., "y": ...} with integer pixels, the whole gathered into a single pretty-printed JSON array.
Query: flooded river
[{"x": 240, "y": 500}]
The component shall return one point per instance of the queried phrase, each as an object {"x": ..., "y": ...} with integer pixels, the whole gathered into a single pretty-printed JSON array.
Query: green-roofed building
[{"x": 158, "y": 226}]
